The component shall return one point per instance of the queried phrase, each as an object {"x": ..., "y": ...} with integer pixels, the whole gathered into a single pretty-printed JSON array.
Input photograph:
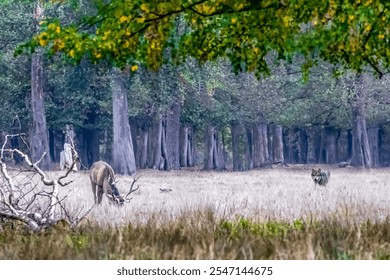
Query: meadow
[{"x": 273, "y": 213}]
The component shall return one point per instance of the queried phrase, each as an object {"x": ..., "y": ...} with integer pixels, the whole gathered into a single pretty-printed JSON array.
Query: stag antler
[{"x": 125, "y": 199}]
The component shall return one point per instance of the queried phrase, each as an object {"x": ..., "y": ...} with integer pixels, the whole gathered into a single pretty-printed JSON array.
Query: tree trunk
[
  {"x": 123, "y": 153},
  {"x": 373, "y": 135},
  {"x": 194, "y": 154},
  {"x": 172, "y": 134},
  {"x": 190, "y": 156},
  {"x": 219, "y": 151},
  {"x": 39, "y": 138},
  {"x": 357, "y": 152},
  {"x": 258, "y": 146},
  {"x": 184, "y": 143},
  {"x": 155, "y": 137},
  {"x": 361, "y": 156},
  {"x": 209, "y": 147},
  {"x": 142, "y": 154},
  {"x": 266, "y": 154},
  {"x": 278, "y": 144},
  {"x": 303, "y": 146},
  {"x": 89, "y": 146},
  {"x": 249, "y": 148},
  {"x": 331, "y": 151},
  {"x": 238, "y": 146}
]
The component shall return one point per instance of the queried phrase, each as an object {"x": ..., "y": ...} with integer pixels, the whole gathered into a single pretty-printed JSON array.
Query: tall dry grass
[{"x": 261, "y": 214}]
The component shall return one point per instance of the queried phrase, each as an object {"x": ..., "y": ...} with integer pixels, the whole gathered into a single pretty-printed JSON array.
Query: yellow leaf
[
  {"x": 233, "y": 20},
  {"x": 144, "y": 7},
  {"x": 51, "y": 26},
  {"x": 381, "y": 36},
  {"x": 134, "y": 68},
  {"x": 141, "y": 19},
  {"x": 42, "y": 42},
  {"x": 71, "y": 53},
  {"x": 123, "y": 19},
  {"x": 58, "y": 29}
]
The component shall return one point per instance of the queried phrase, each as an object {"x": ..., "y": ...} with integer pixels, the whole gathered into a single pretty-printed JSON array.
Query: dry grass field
[
  {"x": 283, "y": 194},
  {"x": 262, "y": 214}
]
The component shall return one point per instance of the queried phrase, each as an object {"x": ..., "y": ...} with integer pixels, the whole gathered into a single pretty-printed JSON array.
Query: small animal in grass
[{"x": 320, "y": 177}]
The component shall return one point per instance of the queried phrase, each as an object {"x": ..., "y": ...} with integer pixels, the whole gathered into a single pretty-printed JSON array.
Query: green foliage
[
  {"x": 267, "y": 230},
  {"x": 201, "y": 235},
  {"x": 351, "y": 33}
]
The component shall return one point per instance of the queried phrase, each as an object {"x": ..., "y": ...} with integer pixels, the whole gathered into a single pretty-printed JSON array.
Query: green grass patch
[{"x": 200, "y": 235}]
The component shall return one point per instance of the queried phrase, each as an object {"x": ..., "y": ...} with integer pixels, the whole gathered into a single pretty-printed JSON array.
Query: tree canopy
[{"x": 351, "y": 33}]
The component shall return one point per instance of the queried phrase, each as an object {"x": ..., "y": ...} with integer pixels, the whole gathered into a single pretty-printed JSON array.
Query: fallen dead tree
[{"x": 37, "y": 207}]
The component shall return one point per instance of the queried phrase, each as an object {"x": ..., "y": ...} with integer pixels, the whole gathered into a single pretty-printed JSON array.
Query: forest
[
  {"x": 208, "y": 115},
  {"x": 238, "y": 100}
]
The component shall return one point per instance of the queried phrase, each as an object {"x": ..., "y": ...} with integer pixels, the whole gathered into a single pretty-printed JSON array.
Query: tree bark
[
  {"x": 361, "y": 156},
  {"x": 303, "y": 146},
  {"x": 184, "y": 143},
  {"x": 278, "y": 144},
  {"x": 238, "y": 146},
  {"x": 123, "y": 153},
  {"x": 249, "y": 148},
  {"x": 373, "y": 135},
  {"x": 331, "y": 151},
  {"x": 39, "y": 137},
  {"x": 143, "y": 147},
  {"x": 209, "y": 147},
  {"x": 258, "y": 146},
  {"x": 172, "y": 134},
  {"x": 155, "y": 137}
]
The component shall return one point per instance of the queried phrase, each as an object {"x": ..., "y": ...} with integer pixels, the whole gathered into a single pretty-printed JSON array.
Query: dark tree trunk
[
  {"x": 163, "y": 161},
  {"x": 238, "y": 143},
  {"x": 39, "y": 137},
  {"x": 155, "y": 137},
  {"x": 303, "y": 146},
  {"x": 219, "y": 151},
  {"x": 123, "y": 153},
  {"x": 278, "y": 144},
  {"x": 56, "y": 140},
  {"x": 249, "y": 148},
  {"x": 291, "y": 146},
  {"x": 143, "y": 147},
  {"x": 134, "y": 137},
  {"x": 89, "y": 146},
  {"x": 271, "y": 144},
  {"x": 184, "y": 143},
  {"x": 331, "y": 151},
  {"x": 209, "y": 147},
  {"x": 194, "y": 151},
  {"x": 264, "y": 132},
  {"x": 258, "y": 146},
  {"x": 373, "y": 136},
  {"x": 191, "y": 147},
  {"x": 172, "y": 134}
]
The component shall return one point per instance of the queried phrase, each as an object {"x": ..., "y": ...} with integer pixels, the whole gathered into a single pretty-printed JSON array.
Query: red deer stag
[{"x": 103, "y": 180}]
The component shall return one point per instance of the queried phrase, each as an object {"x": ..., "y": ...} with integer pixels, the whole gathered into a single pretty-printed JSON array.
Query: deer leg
[
  {"x": 99, "y": 194},
  {"x": 94, "y": 191}
]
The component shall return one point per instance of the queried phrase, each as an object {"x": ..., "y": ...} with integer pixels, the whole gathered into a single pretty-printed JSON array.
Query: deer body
[{"x": 103, "y": 181}]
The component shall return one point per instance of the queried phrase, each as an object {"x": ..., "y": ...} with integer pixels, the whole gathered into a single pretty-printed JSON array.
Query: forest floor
[
  {"x": 261, "y": 214},
  {"x": 282, "y": 194}
]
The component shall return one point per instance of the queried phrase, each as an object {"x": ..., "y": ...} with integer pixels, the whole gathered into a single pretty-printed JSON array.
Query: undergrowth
[{"x": 200, "y": 235}]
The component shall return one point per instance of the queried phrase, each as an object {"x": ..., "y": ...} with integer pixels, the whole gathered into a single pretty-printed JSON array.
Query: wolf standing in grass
[{"x": 319, "y": 177}]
